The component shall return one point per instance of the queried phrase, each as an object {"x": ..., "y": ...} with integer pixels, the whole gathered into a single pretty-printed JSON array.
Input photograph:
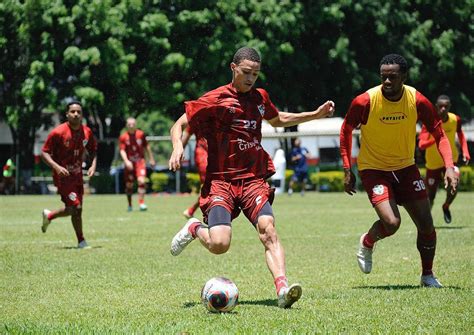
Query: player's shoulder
[{"x": 363, "y": 99}]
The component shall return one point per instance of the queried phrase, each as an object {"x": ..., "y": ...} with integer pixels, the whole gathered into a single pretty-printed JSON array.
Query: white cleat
[
  {"x": 182, "y": 238},
  {"x": 83, "y": 245},
  {"x": 46, "y": 221},
  {"x": 289, "y": 295},
  {"x": 364, "y": 256},
  {"x": 143, "y": 207},
  {"x": 430, "y": 281}
]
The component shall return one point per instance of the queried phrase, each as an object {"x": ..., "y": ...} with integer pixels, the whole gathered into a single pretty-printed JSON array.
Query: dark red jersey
[
  {"x": 67, "y": 147},
  {"x": 134, "y": 145},
  {"x": 231, "y": 123}
]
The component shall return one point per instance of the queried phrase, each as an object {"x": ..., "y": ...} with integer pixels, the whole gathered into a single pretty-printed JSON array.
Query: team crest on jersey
[
  {"x": 261, "y": 109},
  {"x": 139, "y": 141},
  {"x": 231, "y": 110},
  {"x": 378, "y": 189},
  {"x": 85, "y": 141},
  {"x": 431, "y": 181},
  {"x": 72, "y": 196}
]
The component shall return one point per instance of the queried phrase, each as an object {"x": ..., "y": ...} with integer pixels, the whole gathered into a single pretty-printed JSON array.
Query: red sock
[
  {"x": 141, "y": 201},
  {"x": 193, "y": 228},
  {"x": 445, "y": 206},
  {"x": 280, "y": 282},
  {"x": 368, "y": 242},
  {"x": 51, "y": 215},
  {"x": 191, "y": 210}
]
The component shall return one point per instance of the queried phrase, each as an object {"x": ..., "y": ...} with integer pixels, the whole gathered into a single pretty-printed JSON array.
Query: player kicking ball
[{"x": 230, "y": 119}]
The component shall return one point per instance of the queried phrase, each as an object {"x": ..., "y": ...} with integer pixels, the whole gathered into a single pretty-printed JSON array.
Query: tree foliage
[{"x": 145, "y": 57}]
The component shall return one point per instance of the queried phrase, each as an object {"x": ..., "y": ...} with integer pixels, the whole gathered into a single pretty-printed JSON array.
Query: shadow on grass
[
  {"x": 450, "y": 227},
  {"x": 76, "y": 248},
  {"x": 266, "y": 302},
  {"x": 401, "y": 287}
]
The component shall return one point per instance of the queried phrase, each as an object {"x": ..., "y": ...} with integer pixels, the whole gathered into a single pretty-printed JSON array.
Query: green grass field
[{"x": 129, "y": 283}]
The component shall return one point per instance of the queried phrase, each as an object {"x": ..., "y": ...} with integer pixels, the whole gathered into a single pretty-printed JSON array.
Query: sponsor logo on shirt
[
  {"x": 244, "y": 145},
  {"x": 394, "y": 118},
  {"x": 261, "y": 109},
  {"x": 139, "y": 141},
  {"x": 378, "y": 189}
]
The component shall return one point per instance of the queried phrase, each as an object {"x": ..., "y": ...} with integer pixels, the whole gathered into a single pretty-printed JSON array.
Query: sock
[
  {"x": 445, "y": 206},
  {"x": 194, "y": 227},
  {"x": 426, "y": 244},
  {"x": 51, "y": 215},
  {"x": 191, "y": 210},
  {"x": 141, "y": 201},
  {"x": 80, "y": 237},
  {"x": 280, "y": 282},
  {"x": 368, "y": 242}
]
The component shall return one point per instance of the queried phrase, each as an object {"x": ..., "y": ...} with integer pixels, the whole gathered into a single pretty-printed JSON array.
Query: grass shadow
[
  {"x": 76, "y": 248},
  {"x": 400, "y": 287},
  {"x": 265, "y": 302},
  {"x": 450, "y": 227}
]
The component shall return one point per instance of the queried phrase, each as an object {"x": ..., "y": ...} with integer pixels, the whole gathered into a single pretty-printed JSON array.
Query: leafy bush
[
  {"x": 466, "y": 183},
  {"x": 159, "y": 181},
  {"x": 193, "y": 182},
  {"x": 328, "y": 181}
]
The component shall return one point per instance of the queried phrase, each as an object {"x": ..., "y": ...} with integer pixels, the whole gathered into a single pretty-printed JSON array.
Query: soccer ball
[{"x": 219, "y": 295}]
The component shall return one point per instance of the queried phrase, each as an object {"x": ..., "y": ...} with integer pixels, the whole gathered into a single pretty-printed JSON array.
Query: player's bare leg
[
  {"x": 189, "y": 212},
  {"x": 426, "y": 239},
  {"x": 275, "y": 258},
  {"x": 388, "y": 223},
  {"x": 450, "y": 196},
  {"x": 129, "y": 192}
]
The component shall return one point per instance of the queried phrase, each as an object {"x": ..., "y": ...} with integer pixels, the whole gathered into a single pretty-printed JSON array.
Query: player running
[
  {"x": 434, "y": 163},
  {"x": 64, "y": 151},
  {"x": 132, "y": 146},
  {"x": 230, "y": 119},
  {"x": 387, "y": 116}
]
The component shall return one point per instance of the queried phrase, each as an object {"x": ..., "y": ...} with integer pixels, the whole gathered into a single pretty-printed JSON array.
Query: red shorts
[
  {"x": 402, "y": 185},
  {"x": 139, "y": 170},
  {"x": 200, "y": 158},
  {"x": 246, "y": 195},
  {"x": 434, "y": 177},
  {"x": 71, "y": 189}
]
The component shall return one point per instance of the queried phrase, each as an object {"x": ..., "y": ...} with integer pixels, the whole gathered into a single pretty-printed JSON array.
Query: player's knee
[
  {"x": 391, "y": 225},
  {"x": 218, "y": 246}
]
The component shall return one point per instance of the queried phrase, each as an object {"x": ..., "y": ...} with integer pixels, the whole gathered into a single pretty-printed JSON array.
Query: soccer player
[
  {"x": 434, "y": 162},
  {"x": 200, "y": 158},
  {"x": 387, "y": 116},
  {"x": 299, "y": 156},
  {"x": 64, "y": 151},
  {"x": 230, "y": 119},
  {"x": 133, "y": 144}
]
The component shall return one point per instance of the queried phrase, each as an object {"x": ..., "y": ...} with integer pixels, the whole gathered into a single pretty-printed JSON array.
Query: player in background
[
  {"x": 387, "y": 115},
  {"x": 64, "y": 151},
  {"x": 200, "y": 159},
  {"x": 298, "y": 157},
  {"x": 434, "y": 162},
  {"x": 230, "y": 119},
  {"x": 133, "y": 144}
]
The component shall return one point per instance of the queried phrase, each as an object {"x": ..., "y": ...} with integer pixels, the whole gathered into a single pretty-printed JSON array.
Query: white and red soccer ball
[{"x": 219, "y": 295}]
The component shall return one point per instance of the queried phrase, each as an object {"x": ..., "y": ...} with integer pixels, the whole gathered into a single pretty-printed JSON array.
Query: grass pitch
[{"x": 129, "y": 282}]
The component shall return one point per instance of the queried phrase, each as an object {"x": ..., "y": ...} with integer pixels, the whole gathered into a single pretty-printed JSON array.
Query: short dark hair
[
  {"x": 73, "y": 102},
  {"x": 395, "y": 59},
  {"x": 246, "y": 53},
  {"x": 443, "y": 97}
]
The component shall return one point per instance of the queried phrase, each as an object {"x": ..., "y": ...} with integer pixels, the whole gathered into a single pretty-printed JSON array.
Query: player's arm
[
  {"x": 176, "y": 133},
  {"x": 123, "y": 154},
  {"x": 357, "y": 114},
  {"x": 424, "y": 139},
  {"x": 186, "y": 136},
  {"x": 462, "y": 141},
  {"x": 60, "y": 170},
  {"x": 427, "y": 114},
  {"x": 93, "y": 167},
  {"x": 151, "y": 158},
  {"x": 286, "y": 119}
]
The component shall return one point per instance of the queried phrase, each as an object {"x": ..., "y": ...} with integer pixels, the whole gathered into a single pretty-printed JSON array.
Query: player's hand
[
  {"x": 451, "y": 179},
  {"x": 91, "y": 171},
  {"x": 466, "y": 159},
  {"x": 61, "y": 171},
  {"x": 129, "y": 165},
  {"x": 176, "y": 157},
  {"x": 349, "y": 182},
  {"x": 152, "y": 163},
  {"x": 326, "y": 110}
]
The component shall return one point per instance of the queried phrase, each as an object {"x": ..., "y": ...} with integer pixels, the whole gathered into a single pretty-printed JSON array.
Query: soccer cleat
[
  {"x": 289, "y": 295},
  {"x": 364, "y": 256},
  {"x": 46, "y": 221},
  {"x": 182, "y": 238},
  {"x": 83, "y": 245},
  {"x": 187, "y": 214},
  {"x": 129, "y": 208},
  {"x": 143, "y": 207},
  {"x": 430, "y": 281},
  {"x": 447, "y": 215}
]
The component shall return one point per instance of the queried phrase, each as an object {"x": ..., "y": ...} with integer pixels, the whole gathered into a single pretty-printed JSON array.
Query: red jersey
[
  {"x": 231, "y": 123},
  {"x": 134, "y": 145},
  {"x": 67, "y": 147}
]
